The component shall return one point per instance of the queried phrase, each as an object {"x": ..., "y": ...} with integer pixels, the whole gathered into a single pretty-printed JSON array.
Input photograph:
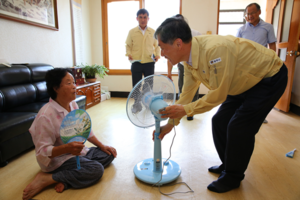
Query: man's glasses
[{"x": 248, "y": 14}]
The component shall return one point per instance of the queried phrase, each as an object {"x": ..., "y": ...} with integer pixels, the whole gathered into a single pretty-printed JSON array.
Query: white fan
[{"x": 143, "y": 104}]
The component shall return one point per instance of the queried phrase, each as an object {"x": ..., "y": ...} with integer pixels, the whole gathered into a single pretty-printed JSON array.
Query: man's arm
[
  {"x": 272, "y": 46},
  {"x": 238, "y": 33},
  {"x": 170, "y": 67},
  {"x": 271, "y": 38},
  {"x": 128, "y": 46}
]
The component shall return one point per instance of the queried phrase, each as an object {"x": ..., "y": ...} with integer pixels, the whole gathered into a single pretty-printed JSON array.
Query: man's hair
[
  {"x": 54, "y": 78},
  {"x": 173, "y": 28},
  {"x": 142, "y": 11},
  {"x": 181, "y": 17},
  {"x": 256, "y": 4}
]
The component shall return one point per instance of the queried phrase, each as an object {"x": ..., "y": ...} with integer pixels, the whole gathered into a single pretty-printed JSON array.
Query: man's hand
[
  {"x": 164, "y": 130},
  {"x": 156, "y": 58},
  {"x": 173, "y": 112},
  {"x": 75, "y": 148},
  {"x": 130, "y": 57},
  {"x": 170, "y": 67}
]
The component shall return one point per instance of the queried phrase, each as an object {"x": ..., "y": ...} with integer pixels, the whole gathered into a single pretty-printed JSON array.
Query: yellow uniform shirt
[
  {"x": 141, "y": 47},
  {"x": 226, "y": 65}
]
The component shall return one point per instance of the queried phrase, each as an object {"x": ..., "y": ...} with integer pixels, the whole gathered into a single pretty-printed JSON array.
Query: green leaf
[{"x": 91, "y": 71}]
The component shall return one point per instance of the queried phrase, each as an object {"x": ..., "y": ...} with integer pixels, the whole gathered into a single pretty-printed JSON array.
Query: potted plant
[{"x": 90, "y": 71}]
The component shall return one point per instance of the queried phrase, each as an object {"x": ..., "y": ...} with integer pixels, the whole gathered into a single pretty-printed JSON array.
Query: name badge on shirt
[{"x": 214, "y": 61}]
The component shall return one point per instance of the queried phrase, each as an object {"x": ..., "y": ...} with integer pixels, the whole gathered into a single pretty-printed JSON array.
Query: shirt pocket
[{"x": 216, "y": 75}]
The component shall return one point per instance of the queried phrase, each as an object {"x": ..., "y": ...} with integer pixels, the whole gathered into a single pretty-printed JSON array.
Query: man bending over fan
[
  {"x": 56, "y": 159},
  {"x": 244, "y": 76}
]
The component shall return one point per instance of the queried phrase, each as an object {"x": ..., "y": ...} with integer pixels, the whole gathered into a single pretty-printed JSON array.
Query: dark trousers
[
  {"x": 238, "y": 120},
  {"x": 92, "y": 168},
  {"x": 181, "y": 81},
  {"x": 138, "y": 70}
]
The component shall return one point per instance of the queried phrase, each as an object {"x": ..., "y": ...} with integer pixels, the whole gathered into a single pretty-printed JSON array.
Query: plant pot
[{"x": 91, "y": 80}]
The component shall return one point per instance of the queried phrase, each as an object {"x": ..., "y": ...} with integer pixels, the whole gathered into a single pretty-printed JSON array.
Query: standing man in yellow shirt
[
  {"x": 244, "y": 76},
  {"x": 142, "y": 51}
]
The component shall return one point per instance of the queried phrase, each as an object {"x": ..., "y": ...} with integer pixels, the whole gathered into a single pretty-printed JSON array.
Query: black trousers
[
  {"x": 181, "y": 81},
  {"x": 138, "y": 70},
  {"x": 238, "y": 120}
]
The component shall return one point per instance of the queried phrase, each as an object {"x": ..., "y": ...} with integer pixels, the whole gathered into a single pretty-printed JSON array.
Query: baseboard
[
  {"x": 125, "y": 95},
  {"x": 295, "y": 109},
  {"x": 119, "y": 94}
]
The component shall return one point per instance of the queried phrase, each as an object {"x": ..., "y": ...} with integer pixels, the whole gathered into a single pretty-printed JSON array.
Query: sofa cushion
[
  {"x": 1, "y": 101},
  {"x": 17, "y": 74},
  {"x": 38, "y": 71},
  {"x": 81, "y": 100},
  {"x": 32, "y": 107},
  {"x": 18, "y": 95},
  {"x": 41, "y": 91},
  {"x": 14, "y": 124},
  {"x": 14, "y": 147}
]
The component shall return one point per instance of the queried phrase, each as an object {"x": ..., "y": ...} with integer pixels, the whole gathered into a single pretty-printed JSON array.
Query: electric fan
[{"x": 143, "y": 104}]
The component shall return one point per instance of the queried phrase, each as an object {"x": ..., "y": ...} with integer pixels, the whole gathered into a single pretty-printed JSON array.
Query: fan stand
[{"x": 150, "y": 170}]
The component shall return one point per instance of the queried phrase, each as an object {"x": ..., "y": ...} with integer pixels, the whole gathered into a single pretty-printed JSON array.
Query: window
[
  {"x": 120, "y": 19},
  {"x": 230, "y": 21},
  {"x": 166, "y": 8},
  {"x": 119, "y": 16}
]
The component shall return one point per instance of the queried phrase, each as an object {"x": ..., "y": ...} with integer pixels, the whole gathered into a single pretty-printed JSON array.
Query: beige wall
[
  {"x": 201, "y": 14},
  {"x": 22, "y": 43},
  {"x": 87, "y": 40},
  {"x": 96, "y": 31}
]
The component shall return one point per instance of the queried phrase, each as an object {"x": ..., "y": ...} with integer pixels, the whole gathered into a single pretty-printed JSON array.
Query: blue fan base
[{"x": 144, "y": 171}]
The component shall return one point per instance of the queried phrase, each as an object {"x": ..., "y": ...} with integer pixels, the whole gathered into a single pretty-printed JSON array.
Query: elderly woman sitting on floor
[{"x": 56, "y": 159}]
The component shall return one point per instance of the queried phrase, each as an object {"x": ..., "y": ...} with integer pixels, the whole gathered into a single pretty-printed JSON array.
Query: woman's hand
[
  {"x": 164, "y": 130},
  {"x": 75, "y": 148},
  {"x": 109, "y": 150}
]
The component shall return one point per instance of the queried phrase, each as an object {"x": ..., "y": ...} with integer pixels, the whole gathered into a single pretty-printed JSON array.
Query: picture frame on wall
[{"x": 42, "y": 13}]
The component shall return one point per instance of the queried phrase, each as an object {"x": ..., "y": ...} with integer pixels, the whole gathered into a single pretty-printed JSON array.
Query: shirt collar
[
  {"x": 142, "y": 29},
  {"x": 190, "y": 59},
  {"x": 58, "y": 107},
  {"x": 258, "y": 24}
]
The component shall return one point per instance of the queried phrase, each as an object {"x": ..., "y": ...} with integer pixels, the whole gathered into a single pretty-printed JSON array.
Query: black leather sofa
[{"x": 23, "y": 92}]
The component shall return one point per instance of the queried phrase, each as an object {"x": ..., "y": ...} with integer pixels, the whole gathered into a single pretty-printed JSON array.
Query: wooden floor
[{"x": 270, "y": 175}]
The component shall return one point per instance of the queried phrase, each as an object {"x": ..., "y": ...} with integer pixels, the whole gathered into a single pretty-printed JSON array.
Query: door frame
[{"x": 292, "y": 44}]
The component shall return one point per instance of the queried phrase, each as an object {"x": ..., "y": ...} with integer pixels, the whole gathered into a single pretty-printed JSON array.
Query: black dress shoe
[
  {"x": 190, "y": 118},
  {"x": 216, "y": 169}
]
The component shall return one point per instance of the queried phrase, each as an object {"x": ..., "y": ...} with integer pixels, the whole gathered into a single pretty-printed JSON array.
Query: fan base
[{"x": 144, "y": 171}]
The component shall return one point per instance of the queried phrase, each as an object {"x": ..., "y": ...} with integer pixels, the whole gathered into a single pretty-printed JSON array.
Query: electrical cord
[{"x": 167, "y": 194}]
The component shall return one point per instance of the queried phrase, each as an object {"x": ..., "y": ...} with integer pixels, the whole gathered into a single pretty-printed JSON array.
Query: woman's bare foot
[
  {"x": 59, "y": 187},
  {"x": 40, "y": 181}
]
